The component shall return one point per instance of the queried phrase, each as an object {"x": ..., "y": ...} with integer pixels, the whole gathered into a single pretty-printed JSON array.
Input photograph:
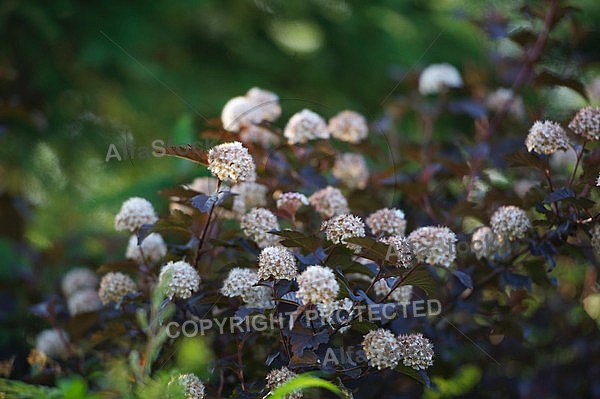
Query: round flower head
[
  {"x": 433, "y": 245},
  {"x": 78, "y": 279},
  {"x": 317, "y": 284},
  {"x": 349, "y": 126},
  {"x": 291, "y": 202},
  {"x": 259, "y": 135},
  {"x": 278, "y": 377},
  {"x": 339, "y": 228},
  {"x": 304, "y": 126},
  {"x": 277, "y": 262},
  {"x": 351, "y": 169},
  {"x": 180, "y": 278},
  {"x": 52, "y": 342},
  {"x": 381, "y": 348},
  {"x": 266, "y": 107},
  {"x": 134, "y": 213},
  {"x": 257, "y": 223},
  {"x": 586, "y": 123},
  {"x": 240, "y": 283},
  {"x": 337, "y": 313},
  {"x": 484, "y": 243},
  {"x": 476, "y": 187},
  {"x": 510, "y": 222},
  {"x": 191, "y": 385},
  {"x": 387, "y": 222},
  {"x": 399, "y": 251},
  {"x": 329, "y": 202},
  {"x": 546, "y": 137},
  {"x": 504, "y": 98},
  {"x": 114, "y": 286},
  {"x": 84, "y": 301},
  {"x": 153, "y": 248},
  {"x": 231, "y": 162},
  {"x": 437, "y": 77},
  {"x": 249, "y": 195},
  {"x": 595, "y": 240},
  {"x": 236, "y": 113},
  {"x": 416, "y": 351},
  {"x": 402, "y": 294}
]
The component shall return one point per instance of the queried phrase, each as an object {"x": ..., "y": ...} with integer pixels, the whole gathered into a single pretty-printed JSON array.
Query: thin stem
[
  {"x": 398, "y": 282},
  {"x": 579, "y": 156},
  {"x": 206, "y": 226}
]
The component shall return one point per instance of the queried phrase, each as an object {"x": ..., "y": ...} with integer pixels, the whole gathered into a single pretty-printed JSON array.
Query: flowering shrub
[{"x": 309, "y": 218}]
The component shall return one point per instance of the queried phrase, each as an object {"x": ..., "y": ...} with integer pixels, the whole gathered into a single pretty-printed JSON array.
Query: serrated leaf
[
  {"x": 190, "y": 152},
  {"x": 303, "y": 339},
  {"x": 559, "y": 195},
  {"x": 421, "y": 278},
  {"x": 526, "y": 159},
  {"x": 293, "y": 239}
]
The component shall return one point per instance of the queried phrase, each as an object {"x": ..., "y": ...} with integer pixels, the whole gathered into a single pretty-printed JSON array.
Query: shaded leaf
[
  {"x": 464, "y": 278},
  {"x": 297, "y": 239},
  {"x": 421, "y": 278},
  {"x": 304, "y": 339},
  {"x": 559, "y": 195},
  {"x": 547, "y": 78},
  {"x": 524, "y": 159},
  {"x": 190, "y": 152}
]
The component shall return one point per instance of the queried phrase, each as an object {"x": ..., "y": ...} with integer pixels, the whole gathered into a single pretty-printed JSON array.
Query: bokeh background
[{"x": 77, "y": 76}]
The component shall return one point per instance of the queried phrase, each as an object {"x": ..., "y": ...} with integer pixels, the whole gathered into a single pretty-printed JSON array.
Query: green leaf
[
  {"x": 371, "y": 249},
  {"x": 421, "y": 278},
  {"x": 297, "y": 239},
  {"x": 301, "y": 383}
]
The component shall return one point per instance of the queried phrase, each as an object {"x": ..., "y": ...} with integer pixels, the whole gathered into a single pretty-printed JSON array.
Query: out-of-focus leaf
[
  {"x": 559, "y": 195},
  {"x": 517, "y": 280},
  {"x": 464, "y": 278},
  {"x": 526, "y": 159},
  {"x": 547, "y": 78},
  {"x": 303, "y": 339}
]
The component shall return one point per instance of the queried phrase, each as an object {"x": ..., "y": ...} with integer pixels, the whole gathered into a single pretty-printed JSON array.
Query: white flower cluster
[
  {"x": 352, "y": 170},
  {"x": 510, "y": 222},
  {"x": 384, "y": 350},
  {"x": 153, "y": 248},
  {"x": 84, "y": 301},
  {"x": 291, "y": 201},
  {"x": 438, "y": 77},
  {"x": 245, "y": 111},
  {"x": 278, "y": 377},
  {"x": 387, "y": 222},
  {"x": 586, "y": 123},
  {"x": 476, "y": 187},
  {"x": 304, "y": 126},
  {"x": 504, "y": 98},
  {"x": 416, "y": 351},
  {"x": 257, "y": 223},
  {"x": 546, "y": 137},
  {"x": 349, "y": 126},
  {"x": 339, "y": 228},
  {"x": 249, "y": 195},
  {"x": 484, "y": 242},
  {"x": 317, "y": 284},
  {"x": 402, "y": 294},
  {"x": 329, "y": 202},
  {"x": 78, "y": 279},
  {"x": 134, "y": 213},
  {"x": 381, "y": 348},
  {"x": 337, "y": 312},
  {"x": 181, "y": 280},
  {"x": 433, "y": 245},
  {"x": 277, "y": 262},
  {"x": 192, "y": 386},
  {"x": 52, "y": 342},
  {"x": 114, "y": 286},
  {"x": 231, "y": 162},
  {"x": 241, "y": 282},
  {"x": 400, "y": 251}
]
